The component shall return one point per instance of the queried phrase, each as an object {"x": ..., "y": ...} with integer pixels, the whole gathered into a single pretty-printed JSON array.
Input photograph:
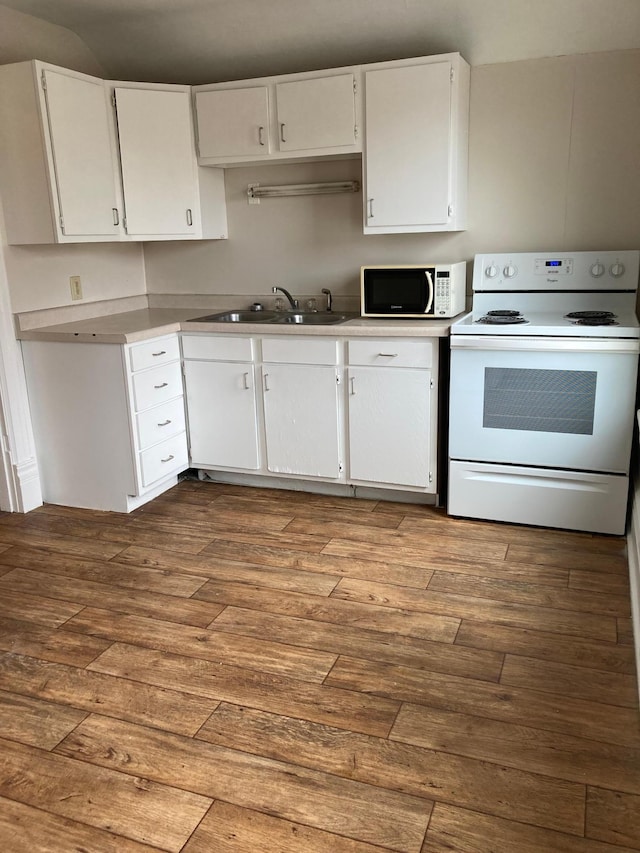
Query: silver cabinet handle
[
  {"x": 266, "y": 382},
  {"x": 165, "y": 423},
  {"x": 261, "y": 135},
  {"x": 370, "y": 208},
  {"x": 156, "y": 354},
  {"x": 116, "y": 216},
  {"x": 282, "y": 139},
  {"x": 245, "y": 379},
  {"x": 163, "y": 385},
  {"x": 353, "y": 386},
  {"x": 168, "y": 459},
  {"x": 388, "y": 354},
  {"x": 189, "y": 216}
]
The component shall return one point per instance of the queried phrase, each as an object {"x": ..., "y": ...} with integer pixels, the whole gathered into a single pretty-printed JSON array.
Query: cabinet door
[
  {"x": 221, "y": 411},
  {"x": 389, "y": 425},
  {"x": 408, "y": 138},
  {"x": 233, "y": 122},
  {"x": 82, "y": 156},
  {"x": 158, "y": 162},
  {"x": 301, "y": 419},
  {"x": 316, "y": 113}
]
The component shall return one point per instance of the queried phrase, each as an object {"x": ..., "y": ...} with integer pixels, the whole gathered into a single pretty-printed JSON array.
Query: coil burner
[
  {"x": 502, "y": 317},
  {"x": 592, "y": 318}
]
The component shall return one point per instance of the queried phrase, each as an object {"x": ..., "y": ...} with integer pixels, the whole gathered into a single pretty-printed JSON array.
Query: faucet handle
[{"x": 327, "y": 293}]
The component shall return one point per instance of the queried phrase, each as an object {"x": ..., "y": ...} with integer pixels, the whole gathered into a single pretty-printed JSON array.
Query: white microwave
[{"x": 413, "y": 290}]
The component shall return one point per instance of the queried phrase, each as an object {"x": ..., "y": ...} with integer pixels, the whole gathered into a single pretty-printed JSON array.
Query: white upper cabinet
[
  {"x": 293, "y": 117},
  {"x": 416, "y": 145},
  {"x": 58, "y": 164},
  {"x": 69, "y": 172},
  {"x": 159, "y": 171},
  {"x": 82, "y": 155},
  {"x": 233, "y": 122},
  {"x": 316, "y": 113}
]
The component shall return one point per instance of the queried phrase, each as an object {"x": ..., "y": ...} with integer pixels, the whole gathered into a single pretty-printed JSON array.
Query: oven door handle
[
  {"x": 430, "y": 302},
  {"x": 525, "y": 343}
]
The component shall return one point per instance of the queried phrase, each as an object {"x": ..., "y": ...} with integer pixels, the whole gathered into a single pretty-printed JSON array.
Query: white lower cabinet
[
  {"x": 108, "y": 421},
  {"x": 392, "y": 412},
  {"x": 288, "y": 407},
  {"x": 301, "y": 414}
]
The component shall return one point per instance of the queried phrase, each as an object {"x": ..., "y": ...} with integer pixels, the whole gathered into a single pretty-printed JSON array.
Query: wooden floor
[{"x": 234, "y": 670}]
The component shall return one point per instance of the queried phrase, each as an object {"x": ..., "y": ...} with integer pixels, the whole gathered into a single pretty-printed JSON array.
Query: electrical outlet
[{"x": 76, "y": 286}]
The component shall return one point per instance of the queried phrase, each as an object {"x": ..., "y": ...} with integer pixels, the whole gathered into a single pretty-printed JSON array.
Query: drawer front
[
  {"x": 152, "y": 387},
  {"x": 300, "y": 350},
  {"x": 218, "y": 348},
  {"x": 153, "y": 353},
  {"x": 160, "y": 423},
  {"x": 164, "y": 459},
  {"x": 391, "y": 352}
]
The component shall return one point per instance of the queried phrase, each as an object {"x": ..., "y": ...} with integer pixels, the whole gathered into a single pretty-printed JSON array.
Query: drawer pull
[
  {"x": 266, "y": 382},
  {"x": 282, "y": 139},
  {"x": 388, "y": 354},
  {"x": 156, "y": 354},
  {"x": 261, "y": 135},
  {"x": 245, "y": 378},
  {"x": 169, "y": 458},
  {"x": 165, "y": 423},
  {"x": 163, "y": 385}
]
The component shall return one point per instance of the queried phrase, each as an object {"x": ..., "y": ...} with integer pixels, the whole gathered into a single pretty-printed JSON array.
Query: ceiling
[{"x": 199, "y": 41}]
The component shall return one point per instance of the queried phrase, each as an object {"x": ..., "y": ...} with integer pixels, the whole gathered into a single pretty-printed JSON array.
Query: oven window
[{"x": 539, "y": 400}]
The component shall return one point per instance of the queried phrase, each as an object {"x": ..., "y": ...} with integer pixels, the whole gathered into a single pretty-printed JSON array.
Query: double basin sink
[{"x": 304, "y": 318}]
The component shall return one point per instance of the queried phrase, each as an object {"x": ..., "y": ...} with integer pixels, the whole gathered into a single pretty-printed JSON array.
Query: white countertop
[{"x": 133, "y": 326}]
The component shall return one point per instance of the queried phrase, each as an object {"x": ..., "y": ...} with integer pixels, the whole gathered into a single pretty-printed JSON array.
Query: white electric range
[{"x": 542, "y": 401}]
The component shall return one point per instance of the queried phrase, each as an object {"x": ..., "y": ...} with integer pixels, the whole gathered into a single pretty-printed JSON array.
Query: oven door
[{"x": 563, "y": 403}]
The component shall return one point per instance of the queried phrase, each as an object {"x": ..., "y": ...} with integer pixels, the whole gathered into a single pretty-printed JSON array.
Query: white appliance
[
  {"x": 542, "y": 402},
  {"x": 413, "y": 291}
]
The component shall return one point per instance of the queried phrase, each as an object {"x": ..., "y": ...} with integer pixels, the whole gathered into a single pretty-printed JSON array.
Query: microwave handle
[{"x": 430, "y": 280}]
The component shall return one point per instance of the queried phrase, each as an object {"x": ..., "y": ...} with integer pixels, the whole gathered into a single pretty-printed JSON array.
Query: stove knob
[
  {"x": 617, "y": 269},
  {"x": 509, "y": 271},
  {"x": 491, "y": 271},
  {"x": 597, "y": 270}
]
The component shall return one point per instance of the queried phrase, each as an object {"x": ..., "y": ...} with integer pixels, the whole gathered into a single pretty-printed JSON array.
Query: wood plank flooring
[{"x": 238, "y": 670}]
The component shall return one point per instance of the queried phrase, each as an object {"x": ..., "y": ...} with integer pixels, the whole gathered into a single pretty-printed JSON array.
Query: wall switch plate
[{"x": 75, "y": 285}]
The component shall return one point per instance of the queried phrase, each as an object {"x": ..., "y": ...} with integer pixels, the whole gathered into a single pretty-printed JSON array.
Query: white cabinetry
[
  {"x": 276, "y": 118},
  {"x": 416, "y": 145},
  {"x": 392, "y": 412},
  {"x": 71, "y": 170},
  {"x": 221, "y": 401},
  {"x": 301, "y": 406},
  {"x": 108, "y": 420}
]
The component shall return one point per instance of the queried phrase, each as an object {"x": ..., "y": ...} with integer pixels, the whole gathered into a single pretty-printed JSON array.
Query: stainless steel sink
[
  {"x": 314, "y": 318},
  {"x": 238, "y": 317},
  {"x": 303, "y": 318}
]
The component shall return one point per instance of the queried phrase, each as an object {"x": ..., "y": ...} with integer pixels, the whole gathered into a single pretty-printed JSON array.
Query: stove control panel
[{"x": 523, "y": 272}]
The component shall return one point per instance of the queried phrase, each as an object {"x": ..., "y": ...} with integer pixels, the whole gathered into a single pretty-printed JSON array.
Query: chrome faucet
[
  {"x": 292, "y": 302},
  {"x": 327, "y": 292}
]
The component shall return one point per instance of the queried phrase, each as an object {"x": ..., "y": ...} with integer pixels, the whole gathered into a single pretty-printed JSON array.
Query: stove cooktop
[{"x": 547, "y": 324}]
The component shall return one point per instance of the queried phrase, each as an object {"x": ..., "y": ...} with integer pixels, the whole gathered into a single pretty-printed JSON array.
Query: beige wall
[
  {"x": 38, "y": 276},
  {"x": 553, "y": 165}
]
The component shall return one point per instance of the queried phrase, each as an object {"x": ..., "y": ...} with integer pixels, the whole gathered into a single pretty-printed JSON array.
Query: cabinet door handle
[
  {"x": 156, "y": 354},
  {"x": 245, "y": 380},
  {"x": 116, "y": 216},
  {"x": 266, "y": 382},
  {"x": 261, "y": 135},
  {"x": 370, "y": 208},
  {"x": 353, "y": 386},
  {"x": 165, "y": 423},
  {"x": 189, "y": 216},
  {"x": 168, "y": 459},
  {"x": 388, "y": 354},
  {"x": 163, "y": 385},
  {"x": 282, "y": 139}
]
